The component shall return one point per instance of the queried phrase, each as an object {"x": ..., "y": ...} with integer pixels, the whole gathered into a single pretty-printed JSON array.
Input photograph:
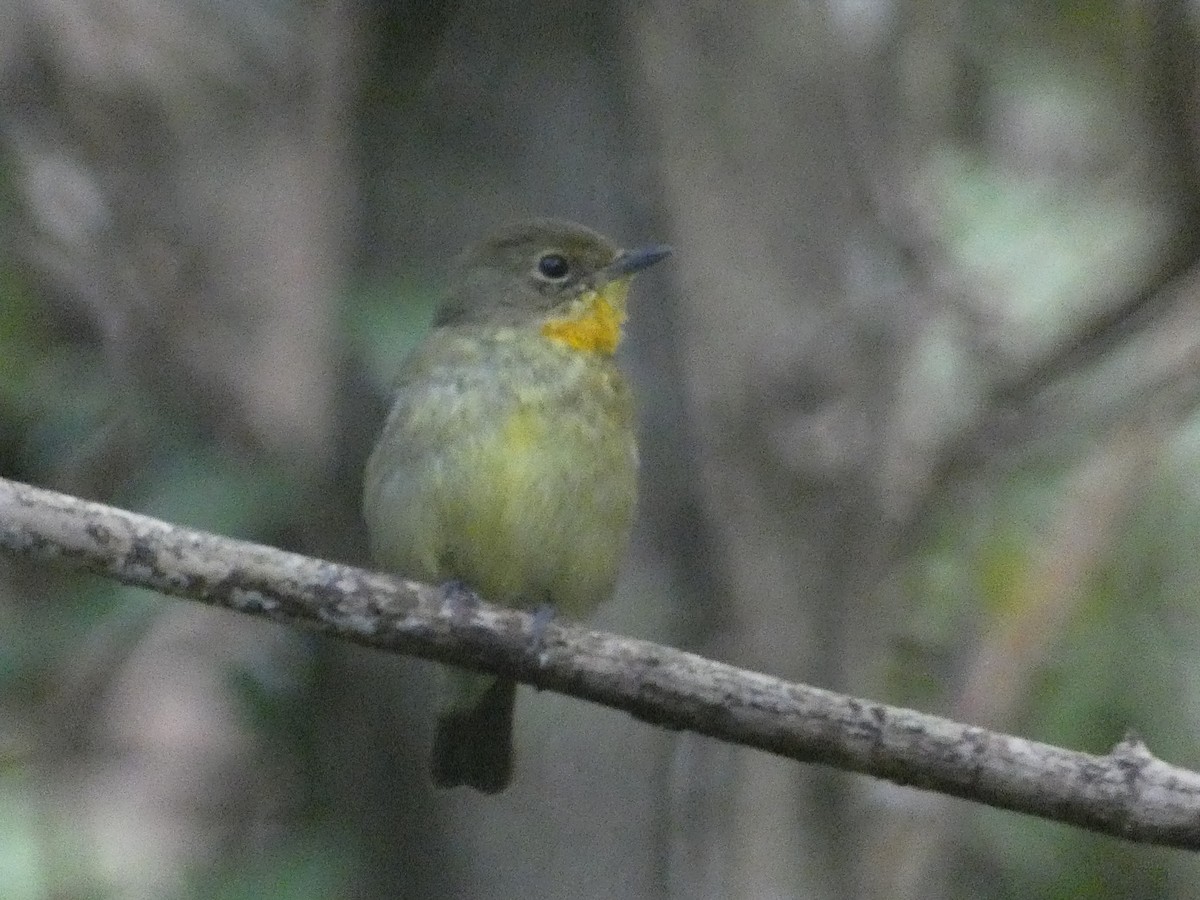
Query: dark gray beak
[{"x": 631, "y": 261}]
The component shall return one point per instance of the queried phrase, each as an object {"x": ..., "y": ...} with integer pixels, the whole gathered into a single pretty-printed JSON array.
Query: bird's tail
[{"x": 474, "y": 743}]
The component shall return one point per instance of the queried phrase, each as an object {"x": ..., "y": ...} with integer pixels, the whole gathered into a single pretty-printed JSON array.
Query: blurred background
[{"x": 919, "y": 410}]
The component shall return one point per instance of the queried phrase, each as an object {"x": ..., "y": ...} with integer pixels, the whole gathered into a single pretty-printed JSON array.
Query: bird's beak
[{"x": 631, "y": 261}]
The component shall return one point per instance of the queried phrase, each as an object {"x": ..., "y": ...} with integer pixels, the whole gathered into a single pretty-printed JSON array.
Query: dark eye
[{"x": 553, "y": 266}]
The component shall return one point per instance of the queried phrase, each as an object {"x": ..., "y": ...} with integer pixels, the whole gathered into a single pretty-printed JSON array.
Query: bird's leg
[
  {"x": 458, "y": 599},
  {"x": 543, "y": 615}
]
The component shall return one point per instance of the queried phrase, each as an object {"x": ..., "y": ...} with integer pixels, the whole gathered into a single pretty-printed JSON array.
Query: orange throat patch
[{"x": 596, "y": 326}]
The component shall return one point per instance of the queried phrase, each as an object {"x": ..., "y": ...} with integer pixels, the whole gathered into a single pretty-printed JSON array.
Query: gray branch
[{"x": 1128, "y": 793}]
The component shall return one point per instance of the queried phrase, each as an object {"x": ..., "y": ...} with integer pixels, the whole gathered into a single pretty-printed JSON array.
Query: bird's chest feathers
[
  {"x": 577, "y": 428},
  {"x": 552, "y": 488}
]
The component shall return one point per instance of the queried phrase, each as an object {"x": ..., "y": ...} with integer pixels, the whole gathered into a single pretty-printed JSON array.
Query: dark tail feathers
[{"x": 473, "y": 746}]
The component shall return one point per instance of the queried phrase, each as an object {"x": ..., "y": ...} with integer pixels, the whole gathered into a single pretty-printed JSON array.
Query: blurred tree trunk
[
  {"x": 525, "y": 115},
  {"x": 790, "y": 347}
]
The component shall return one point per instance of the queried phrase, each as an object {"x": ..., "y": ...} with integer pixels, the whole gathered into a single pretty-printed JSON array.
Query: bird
[{"x": 508, "y": 461}]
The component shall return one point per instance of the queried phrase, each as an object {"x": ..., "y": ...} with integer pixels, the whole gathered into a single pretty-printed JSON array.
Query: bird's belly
[{"x": 539, "y": 510}]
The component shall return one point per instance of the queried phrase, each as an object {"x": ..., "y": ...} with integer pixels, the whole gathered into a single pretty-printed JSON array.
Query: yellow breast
[{"x": 594, "y": 323}]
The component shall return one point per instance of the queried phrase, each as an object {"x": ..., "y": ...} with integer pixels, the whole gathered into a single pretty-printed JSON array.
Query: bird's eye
[{"x": 553, "y": 266}]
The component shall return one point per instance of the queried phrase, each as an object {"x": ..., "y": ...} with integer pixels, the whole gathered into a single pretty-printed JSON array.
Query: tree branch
[{"x": 1128, "y": 793}]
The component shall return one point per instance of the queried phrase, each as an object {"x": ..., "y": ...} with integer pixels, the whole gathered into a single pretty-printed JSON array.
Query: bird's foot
[
  {"x": 458, "y": 599},
  {"x": 543, "y": 615}
]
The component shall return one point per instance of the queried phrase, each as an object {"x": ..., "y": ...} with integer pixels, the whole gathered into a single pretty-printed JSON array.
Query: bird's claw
[{"x": 458, "y": 599}]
